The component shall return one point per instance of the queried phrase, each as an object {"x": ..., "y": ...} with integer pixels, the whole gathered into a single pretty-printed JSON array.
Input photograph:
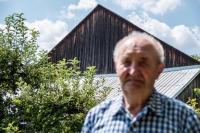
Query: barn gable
[{"x": 92, "y": 41}]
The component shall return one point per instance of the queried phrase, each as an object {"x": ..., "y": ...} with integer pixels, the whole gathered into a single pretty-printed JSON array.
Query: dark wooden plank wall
[
  {"x": 189, "y": 91},
  {"x": 92, "y": 41}
]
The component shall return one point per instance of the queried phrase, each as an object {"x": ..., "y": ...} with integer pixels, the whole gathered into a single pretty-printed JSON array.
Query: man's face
[{"x": 137, "y": 66}]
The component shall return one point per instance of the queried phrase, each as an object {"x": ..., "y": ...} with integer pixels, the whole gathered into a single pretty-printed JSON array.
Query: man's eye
[
  {"x": 143, "y": 62},
  {"x": 126, "y": 63}
]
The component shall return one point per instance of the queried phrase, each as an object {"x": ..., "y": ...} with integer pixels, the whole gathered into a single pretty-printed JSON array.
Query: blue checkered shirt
[{"x": 160, "y": 115}]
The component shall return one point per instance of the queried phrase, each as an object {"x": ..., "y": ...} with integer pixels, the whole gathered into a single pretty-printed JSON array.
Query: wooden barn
[{"x": 92, "y": 41}]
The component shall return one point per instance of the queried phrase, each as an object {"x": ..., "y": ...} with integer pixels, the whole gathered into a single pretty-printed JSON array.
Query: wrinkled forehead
[
  {"x": 137, "y": 43},
  {"x": 138, "y": 48}
]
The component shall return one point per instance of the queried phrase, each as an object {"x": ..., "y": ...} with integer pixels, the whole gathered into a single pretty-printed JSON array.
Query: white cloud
[
  {"x": 128, "y": 4},
  {"x": 66, "y": 14},
  {"x": 83, "y": 5},
  {"x": 154, "y": 6},
  {"x": 2, "y": 26},
  {"x": 186, "y": 39},
  {"x": 50, "y": 32}
]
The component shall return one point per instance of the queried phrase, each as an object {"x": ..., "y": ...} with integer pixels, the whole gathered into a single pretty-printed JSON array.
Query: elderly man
[{"x": 139, "y": 60}]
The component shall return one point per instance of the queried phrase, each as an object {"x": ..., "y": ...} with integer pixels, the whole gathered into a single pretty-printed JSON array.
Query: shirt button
[
  {"x": 136, "y": 123},
  {"x": 135, "y": 129}
]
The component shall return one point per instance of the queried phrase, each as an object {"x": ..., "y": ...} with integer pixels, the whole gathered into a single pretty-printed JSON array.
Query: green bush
[
  {"x": 193, "y": 103},
  {"x": 47, "y": 97}
]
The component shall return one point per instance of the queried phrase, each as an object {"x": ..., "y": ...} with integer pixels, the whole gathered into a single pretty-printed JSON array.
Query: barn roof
[
  {"x": 171, "y": 82},
  {"x": 93, "y": 40}
]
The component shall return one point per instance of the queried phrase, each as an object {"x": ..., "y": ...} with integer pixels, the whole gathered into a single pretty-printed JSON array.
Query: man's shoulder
[
  {"x": 174, "y": 103},
  {"x": 179, "y": 112},
  {"x": 100, "y": 112},
  {"x": 105, "y": 105}
]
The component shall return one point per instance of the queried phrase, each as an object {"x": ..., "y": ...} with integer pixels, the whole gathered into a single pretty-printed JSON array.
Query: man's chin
[{"x": 133, "y": 87}]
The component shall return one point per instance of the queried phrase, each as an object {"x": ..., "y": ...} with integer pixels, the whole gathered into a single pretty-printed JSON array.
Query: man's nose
[{"x": 133, "y": 68}]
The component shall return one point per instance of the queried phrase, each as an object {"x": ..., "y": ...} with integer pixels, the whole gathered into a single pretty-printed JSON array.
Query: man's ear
[
  {"x": 161, "y": 67},
  {"x": 115, "y": 64}
]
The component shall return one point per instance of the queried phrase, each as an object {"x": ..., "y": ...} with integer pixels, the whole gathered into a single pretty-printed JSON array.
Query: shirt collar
[
  {"x": 154, "y": 103},
  {"x": 117, "y": 106}
]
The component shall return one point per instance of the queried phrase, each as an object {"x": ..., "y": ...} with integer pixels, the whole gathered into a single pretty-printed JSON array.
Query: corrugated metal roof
[{"x": 171, "y": 82}]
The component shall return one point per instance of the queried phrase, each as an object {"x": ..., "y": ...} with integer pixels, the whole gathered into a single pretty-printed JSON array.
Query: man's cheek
[{"x": 123, "y": 75}]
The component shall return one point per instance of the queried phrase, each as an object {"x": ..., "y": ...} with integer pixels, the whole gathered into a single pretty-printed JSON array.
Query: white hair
[{"x": 155, "y": 43}]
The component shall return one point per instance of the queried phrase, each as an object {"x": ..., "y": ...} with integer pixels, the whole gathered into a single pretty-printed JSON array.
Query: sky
[{"x": 176, "y": 22}]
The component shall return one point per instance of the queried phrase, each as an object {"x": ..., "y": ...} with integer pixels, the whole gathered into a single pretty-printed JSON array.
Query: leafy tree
[
  {"x": 47, "y": 97},
  {"x": 196, "y": 57},
  {"x": 18, "y": 51},
  {"x": 17, "y": 54},
  {"x": 61, "y": 102},
  {"x": 193, "y": 103}
]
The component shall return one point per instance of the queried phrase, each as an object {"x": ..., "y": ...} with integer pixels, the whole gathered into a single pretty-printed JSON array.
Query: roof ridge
[
  {"x": 181, "y": 68},
  {"x": 165, "y": 70}
]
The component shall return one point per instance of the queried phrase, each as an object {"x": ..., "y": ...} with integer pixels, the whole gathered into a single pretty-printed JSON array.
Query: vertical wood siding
[
  {"x": 92, "y": 41},
  {"x": 189, "y": 91}
]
